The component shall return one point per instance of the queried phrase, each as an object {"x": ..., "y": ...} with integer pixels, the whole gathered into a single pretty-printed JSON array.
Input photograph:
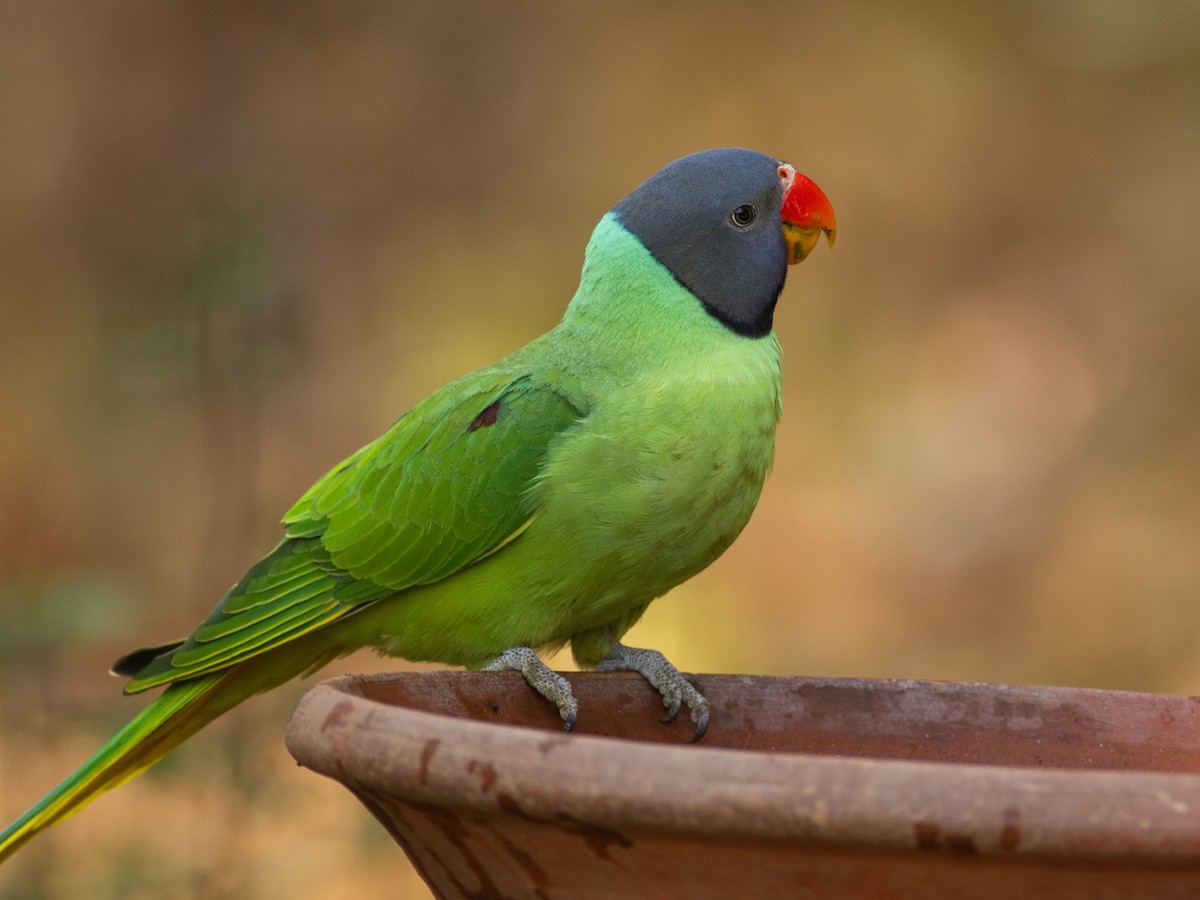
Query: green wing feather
[
  {"x": 445, "y": 486},
  {"x": 440, "y": 490}
]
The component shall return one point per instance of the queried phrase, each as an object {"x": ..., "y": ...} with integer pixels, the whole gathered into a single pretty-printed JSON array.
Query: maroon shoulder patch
[{"x": 485, "y": 418}]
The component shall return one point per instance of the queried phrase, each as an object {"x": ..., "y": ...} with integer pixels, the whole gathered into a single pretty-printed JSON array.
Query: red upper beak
[{"x": 806, "y": 213}]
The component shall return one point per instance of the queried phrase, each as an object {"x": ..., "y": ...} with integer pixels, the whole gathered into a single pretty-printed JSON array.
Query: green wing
[
  {"x": 442, "y": 488},
  {"x": 445, "y": 486}
]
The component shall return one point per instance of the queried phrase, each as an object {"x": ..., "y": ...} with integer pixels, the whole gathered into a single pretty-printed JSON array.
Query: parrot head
[{"x": 727, "y": 224}]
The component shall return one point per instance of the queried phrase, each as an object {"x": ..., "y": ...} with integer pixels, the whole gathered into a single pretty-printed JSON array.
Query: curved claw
[
  {"x": 701, "y": 727},
  {"x": 569, "y": 722},
  {"x": 673, "y": 711}
]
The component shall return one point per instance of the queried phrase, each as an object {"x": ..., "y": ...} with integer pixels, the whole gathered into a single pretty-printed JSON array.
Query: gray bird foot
[
  {"x": 541, "y": 678},
  {"x": 664, "y": 677}
]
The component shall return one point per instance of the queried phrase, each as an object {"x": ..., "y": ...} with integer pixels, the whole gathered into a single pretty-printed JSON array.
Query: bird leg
[
  {"x": 664, "y": 677},
  {"x": 541, "y": 678}
]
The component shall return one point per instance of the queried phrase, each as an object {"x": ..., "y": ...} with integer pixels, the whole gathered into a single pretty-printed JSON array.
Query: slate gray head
[{"x": 715, "y": 220}]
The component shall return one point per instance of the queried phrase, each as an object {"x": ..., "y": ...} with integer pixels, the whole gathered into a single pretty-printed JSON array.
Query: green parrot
[{"x": 546, "y": 498}]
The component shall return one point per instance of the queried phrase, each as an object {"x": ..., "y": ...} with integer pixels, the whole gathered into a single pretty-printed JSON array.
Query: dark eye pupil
[{"x": 743, "y": 215}]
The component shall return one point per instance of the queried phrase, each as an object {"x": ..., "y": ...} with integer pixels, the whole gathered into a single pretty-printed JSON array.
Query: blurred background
[{"x": 238, "y": 239}]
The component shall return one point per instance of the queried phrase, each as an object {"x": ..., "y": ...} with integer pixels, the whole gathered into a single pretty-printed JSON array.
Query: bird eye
[{"x": 743, "y": 215}]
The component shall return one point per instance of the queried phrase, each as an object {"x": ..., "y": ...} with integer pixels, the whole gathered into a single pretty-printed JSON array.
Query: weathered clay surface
[{"x": 803, "y": 787}]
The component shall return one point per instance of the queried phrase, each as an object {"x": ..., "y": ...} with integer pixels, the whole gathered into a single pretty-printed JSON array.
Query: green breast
[{"x": 661, "y": 477}]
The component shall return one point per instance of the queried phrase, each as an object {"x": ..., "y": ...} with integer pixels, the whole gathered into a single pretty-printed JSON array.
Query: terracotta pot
[{"x": 803, "y": 787}]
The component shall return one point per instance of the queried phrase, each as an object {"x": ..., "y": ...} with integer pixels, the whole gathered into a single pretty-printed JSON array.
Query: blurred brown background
[{"x": 238, "y": 239}]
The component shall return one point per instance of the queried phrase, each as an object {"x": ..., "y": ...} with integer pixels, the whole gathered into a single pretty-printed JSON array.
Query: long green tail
[
  {"x": 190, "y": 703},
  {"x": 181, "y": 711}
]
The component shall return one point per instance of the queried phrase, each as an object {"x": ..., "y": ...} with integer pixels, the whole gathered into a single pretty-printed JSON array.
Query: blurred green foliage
[{"x": 238, "y": 239}]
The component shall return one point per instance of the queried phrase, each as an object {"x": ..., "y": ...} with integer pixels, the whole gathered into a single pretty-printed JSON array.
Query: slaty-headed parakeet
[{"x": 546, "y": 498}]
